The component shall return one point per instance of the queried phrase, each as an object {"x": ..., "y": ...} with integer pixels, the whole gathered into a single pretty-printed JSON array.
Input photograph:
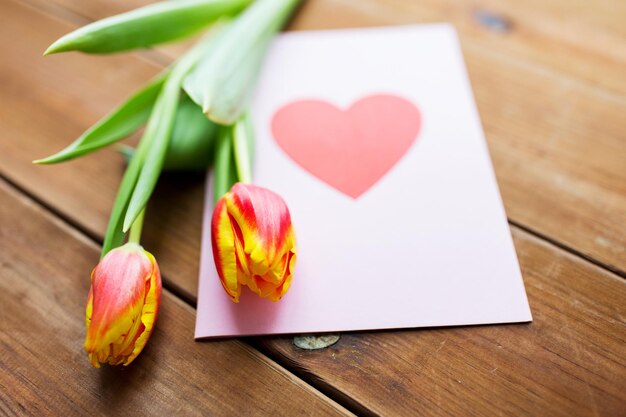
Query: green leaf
[
  {"x": 118, "y": 124},
  {"x": 159, "y": 131},
  {"x": 115, "y": 230},
  {"x": 222, "y": 83},
  {"x": 165, "y": 106},
  {"x": 150, "y": 25},
  {"x": 160, "y": 125},
  {"x": 114, "y": 235},
  {"x": 192, "y": 142},
  {"x": 193, "y": 139}
]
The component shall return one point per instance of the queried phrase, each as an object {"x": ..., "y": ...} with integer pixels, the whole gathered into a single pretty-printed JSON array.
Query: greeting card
[{"x": 373, "y": 139}]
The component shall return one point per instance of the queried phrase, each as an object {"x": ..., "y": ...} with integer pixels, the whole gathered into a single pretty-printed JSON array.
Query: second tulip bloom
[{"x": 253, "y": 242}]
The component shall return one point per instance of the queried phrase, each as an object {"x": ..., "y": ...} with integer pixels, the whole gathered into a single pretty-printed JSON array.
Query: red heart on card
[{"x": 351, "y": 149}]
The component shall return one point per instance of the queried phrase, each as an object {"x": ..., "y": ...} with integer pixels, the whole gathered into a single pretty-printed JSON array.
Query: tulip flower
[
  {"x": 253, "y": 242},
  {"x": 122, "y": 305}
]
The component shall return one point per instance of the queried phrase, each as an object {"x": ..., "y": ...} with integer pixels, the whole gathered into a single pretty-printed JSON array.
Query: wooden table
[{"x": 550, "y": 82}]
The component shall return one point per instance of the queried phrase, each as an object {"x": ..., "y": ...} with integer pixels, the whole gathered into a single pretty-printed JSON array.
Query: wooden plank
[
  {"x": 47, "y": 102},
  {"x": 551, "y": 99},
  {"x": 570, "y": 361},
  {"x": 557, "y": 142},
  {"x": 577, "y": 37},
  {"x": 44, "y": 268}
]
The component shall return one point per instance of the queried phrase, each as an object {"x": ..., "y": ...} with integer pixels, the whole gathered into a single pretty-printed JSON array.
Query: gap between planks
[
  {"x": 298, "y": 372},
  {"x": 189, "y": 299},
  {"x": 568, "y": 249},
  {"x": 156, "y": 57},
  {"x": 184, "y": 301}
]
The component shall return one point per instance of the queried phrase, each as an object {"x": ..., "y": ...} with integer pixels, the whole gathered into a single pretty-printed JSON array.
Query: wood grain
[
  {"x": 45, "y": 107},
  {"x": 557, "y": 139},
  {"x": 552, "y": 100},
  {"x": 44, "y": 370},
  {"x": 579, "y": 37},
  {"x": 571, "y": 361}
]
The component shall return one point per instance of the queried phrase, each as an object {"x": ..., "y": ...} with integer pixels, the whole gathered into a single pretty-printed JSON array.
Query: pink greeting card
[{"x": 373, "y": 139}]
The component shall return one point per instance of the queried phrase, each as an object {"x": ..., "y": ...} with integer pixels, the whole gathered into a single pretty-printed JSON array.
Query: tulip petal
[
  {"x": 122, "y": 305},
  {"x": 264, "y": 220},
  {"x": 256, "y": 246},
  {"x": 223, "y": 241},
  {"x": 117, "y": 293},
  {"x": 149, "y": 312}
]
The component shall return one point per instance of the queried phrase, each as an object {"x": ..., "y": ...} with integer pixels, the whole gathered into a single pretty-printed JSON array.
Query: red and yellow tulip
[
  {"x": 122, "y": 305},
  {"x": 253, "y": 242}
]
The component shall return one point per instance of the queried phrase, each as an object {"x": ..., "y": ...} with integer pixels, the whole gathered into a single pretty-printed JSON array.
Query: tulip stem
[
  {"x": 135, "y": 229},
  {"x": 224, "y": 171},
  {"x": 243, "y": 137}
]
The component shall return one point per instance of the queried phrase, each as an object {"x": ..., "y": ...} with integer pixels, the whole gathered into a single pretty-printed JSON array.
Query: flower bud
[
  {"x": 122, "y": 305},
  {"x": 253, "y": 242}
]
